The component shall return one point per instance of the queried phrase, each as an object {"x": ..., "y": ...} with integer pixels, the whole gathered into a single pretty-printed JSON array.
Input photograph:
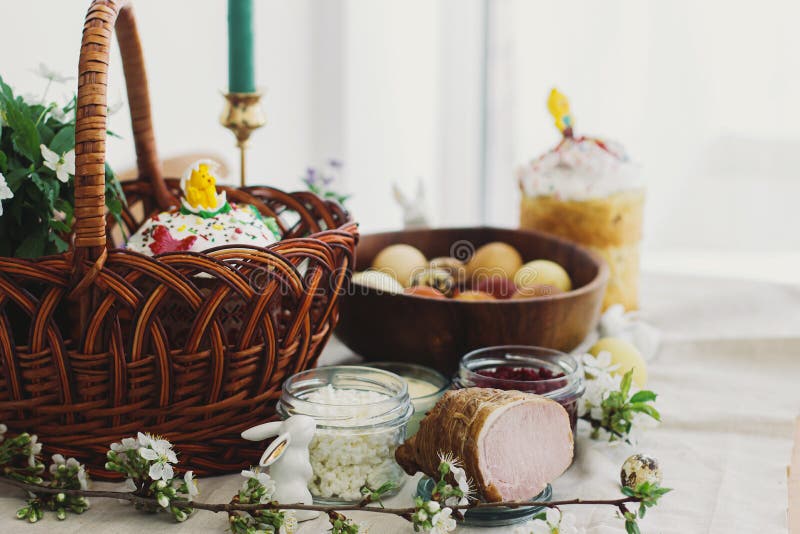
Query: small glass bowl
[
  {"x": 491, "y": 516},
  {"x": 566, "y": 389},
  {"x": 413, "y": 372}
]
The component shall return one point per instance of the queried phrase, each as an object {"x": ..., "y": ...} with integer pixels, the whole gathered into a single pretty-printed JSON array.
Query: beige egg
[
  {"x": 543, "y": 272},
  {"x": 378, "y": 281},
  {"x": 625, "y": 355},
  {"x": 473, "y": 296},
  {"x": 494, "y": 259},
  {"x": 400, "y": 262}
]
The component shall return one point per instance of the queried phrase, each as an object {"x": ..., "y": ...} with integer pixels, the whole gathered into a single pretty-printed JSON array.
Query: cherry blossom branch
[{"x": 233, "y": 507}]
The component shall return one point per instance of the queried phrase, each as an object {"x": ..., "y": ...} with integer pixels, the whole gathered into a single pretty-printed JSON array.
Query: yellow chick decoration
[
  {"x": 201, "y": 188},
  {"x": 558, "y": 105}
]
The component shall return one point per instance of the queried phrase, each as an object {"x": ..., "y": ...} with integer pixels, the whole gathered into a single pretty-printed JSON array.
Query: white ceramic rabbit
[
  {"x": 414, "y": 209},
  {"x": 287, "y": 459}
]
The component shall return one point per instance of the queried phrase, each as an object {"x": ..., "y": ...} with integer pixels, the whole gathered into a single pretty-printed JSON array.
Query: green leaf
[
  {"x": 625, "y": 385},
  {"x": 64, "y": 140},
  {"x": 646, "y": 409},
  {"x": 60, "y": 244},
  {"x": 643, "y": 396},
  {"x": 24, "y": 136},
  {"x": 3, "y": 161},
  {"x": 32, "y": 246},
  {"x": 626, "y": 490},
  {"x": 49, "y": 188},
  {"x": 46, "y": 133}
]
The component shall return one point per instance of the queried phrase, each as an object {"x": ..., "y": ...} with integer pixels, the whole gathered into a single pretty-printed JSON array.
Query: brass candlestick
[{"x": 242, "y": 115}]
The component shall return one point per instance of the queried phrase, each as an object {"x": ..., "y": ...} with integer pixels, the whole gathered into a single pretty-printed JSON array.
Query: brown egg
[
  {"x": 534, "y": 291},
  {"x": 424, "y": 291},
  {"x": 400, "y": 262},
  {"x": 498, "y": 259},
  {"x": 439, "y": 279},
  {"x": 455, "y": 267},
  {"x": 497, "y": 286},
  {"x": 473, "y": 296}
]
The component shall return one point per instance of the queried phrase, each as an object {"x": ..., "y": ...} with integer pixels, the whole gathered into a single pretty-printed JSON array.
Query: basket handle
[{"x": 90, "y": 128}]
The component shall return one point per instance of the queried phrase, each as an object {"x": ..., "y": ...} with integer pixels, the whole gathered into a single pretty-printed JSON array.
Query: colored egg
[
  {"x": 497, "y": 258},
  {"x": 639, "y": 469},
  {"x": 400, "y": 262},
  {"x": 378, "y": 281},
  {"x": 535, "y": 291},
  {"x": 452, "y": 265},
  {"x": 543, "y": 272},
  {"x": 497, "y": 286},
  {"x": 624, "y": 354},
  {"x": 473, "y": 296},
  {"x": 439, "y": 279},
  {"x": 424, "y": 291}
]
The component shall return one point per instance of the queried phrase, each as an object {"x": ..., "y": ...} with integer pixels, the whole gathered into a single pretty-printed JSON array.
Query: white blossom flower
[
  {"x": 127, "y": 444},
  {"x": 3, "y": 428},
  {"x": 49, "y": 74},
  {"x": 63, "y": 165},
  {"x": 290, "y": 523},
  {"x": 5, "y": 194},
  {"x": 159, "y": 451},
  {"x": 58, "y": 459},
  {"x": 554, "y": 523},
  {"x": 35, "y": 449},
  {"x": 191, "y": 485},
  {"x": 263, "y": 479},
  {"x": 432, "y": 506},
  {"x": 442, "y": 523}
]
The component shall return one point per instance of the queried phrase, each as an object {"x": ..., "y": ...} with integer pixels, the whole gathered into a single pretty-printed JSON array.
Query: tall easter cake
[{"x": 587, "y": 190}]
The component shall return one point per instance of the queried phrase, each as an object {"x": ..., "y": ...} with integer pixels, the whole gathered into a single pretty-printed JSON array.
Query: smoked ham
[{"x": 511, "y": 444}]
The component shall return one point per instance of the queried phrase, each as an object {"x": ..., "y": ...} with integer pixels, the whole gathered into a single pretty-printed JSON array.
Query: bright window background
[{"x": 703, "y": 94}]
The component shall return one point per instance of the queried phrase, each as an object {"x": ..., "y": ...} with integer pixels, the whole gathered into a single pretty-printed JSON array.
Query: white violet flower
[
  {"x": 5, "y": 194},
  {"x": 442, "y": 523},
  {"x": 191, "y": 485},
  {"x": 160, "y": 452},
  {"x": 63, "y": 165},
  {"x": 49, "y": 74}
]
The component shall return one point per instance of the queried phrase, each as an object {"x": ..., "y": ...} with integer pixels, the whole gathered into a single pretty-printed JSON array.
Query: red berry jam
[{"x": 545, "y": 372}]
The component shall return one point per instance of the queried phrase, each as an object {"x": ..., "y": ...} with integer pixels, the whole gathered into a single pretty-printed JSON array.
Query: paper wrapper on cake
[
  {"x": 611, "y": 226},
  {"x": 587, "y": 191}
]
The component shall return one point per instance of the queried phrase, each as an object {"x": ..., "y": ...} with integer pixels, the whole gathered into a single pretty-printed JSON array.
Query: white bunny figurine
[
  {"x": 414, "y": 209},
  {"x": 287, "y": 459}
]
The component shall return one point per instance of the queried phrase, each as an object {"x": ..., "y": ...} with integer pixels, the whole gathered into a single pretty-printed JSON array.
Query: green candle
[{"x": 241, "y": 74}]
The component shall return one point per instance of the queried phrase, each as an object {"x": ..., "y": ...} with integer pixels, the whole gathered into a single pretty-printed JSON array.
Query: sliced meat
[{"x": 510, "y": 443}]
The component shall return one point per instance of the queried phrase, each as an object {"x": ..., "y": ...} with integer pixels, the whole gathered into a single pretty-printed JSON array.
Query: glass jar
[
  {"x": 425, "y": 387},
  {"x": 546, "y": 372},
  {"x": 361, "y": 416}
]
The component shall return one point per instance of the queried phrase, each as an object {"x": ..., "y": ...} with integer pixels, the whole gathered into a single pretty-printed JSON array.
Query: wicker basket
[{"x": 90, "y": 345}]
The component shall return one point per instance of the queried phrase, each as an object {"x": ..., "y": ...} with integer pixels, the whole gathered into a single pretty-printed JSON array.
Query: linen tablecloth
[{"x": 728, "y": 379}]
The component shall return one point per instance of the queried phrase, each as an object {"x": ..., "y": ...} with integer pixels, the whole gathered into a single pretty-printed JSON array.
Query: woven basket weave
[{"x": 88, "y": 346}]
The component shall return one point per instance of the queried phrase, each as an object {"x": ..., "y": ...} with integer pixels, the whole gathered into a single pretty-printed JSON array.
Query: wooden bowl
[{"x": 437, "y": 332}]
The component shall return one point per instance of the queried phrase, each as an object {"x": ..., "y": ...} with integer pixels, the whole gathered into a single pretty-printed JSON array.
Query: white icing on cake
[
  {"x": 241, "y": 225},
  {"x": 580, "y": 169}
]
